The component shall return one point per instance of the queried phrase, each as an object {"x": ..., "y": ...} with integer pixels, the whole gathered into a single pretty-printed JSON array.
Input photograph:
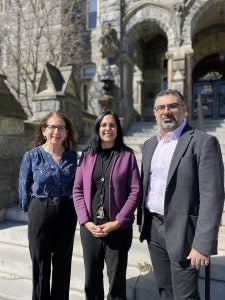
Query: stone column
[
  {"x": 124, "y": 85},
  {"x": 127, "y": 89},
  {"x": 178, "y": 69},
  {"x": 188, "y": 88},
  {"x": 139, "y": 96},
  {"x": 169, "y": 57}
]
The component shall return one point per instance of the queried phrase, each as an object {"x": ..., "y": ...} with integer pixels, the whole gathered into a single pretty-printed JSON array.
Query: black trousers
[
  {"x": 51, "y": 229},
  {"x": 113, "y": 249},
  {"x": 176, "y": 280}
]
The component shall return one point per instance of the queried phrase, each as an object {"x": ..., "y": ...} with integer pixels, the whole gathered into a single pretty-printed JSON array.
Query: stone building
[
  {"x": 125, "y": 51},
  {"x": 143, "y": 46},
  {"x": 113, "y": 54}
]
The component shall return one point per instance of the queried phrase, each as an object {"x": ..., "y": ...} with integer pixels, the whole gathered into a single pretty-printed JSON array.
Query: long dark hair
[
  {"x": 94, "y": 145},
  {"x": 70, "y": 140}
]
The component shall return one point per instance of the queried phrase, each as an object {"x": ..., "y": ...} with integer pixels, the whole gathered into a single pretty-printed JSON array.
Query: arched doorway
[
  {"x": 150, "y": 32},
  {"x": 151, "y": 68},
  {"x": 209, "y": 82}
]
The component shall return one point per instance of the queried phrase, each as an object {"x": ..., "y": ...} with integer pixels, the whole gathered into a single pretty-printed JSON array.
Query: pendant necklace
[{"x": 100, "y": 214}]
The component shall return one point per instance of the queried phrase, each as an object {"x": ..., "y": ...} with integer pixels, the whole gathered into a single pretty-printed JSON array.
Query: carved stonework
[
  {"x": 179, "y": 10},
  {"x": 109, "y": 44},
  {"x": 57, "y": 91}
]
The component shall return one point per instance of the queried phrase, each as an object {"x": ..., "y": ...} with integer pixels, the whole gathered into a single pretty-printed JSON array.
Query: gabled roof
[
  {"x": 9, "y": 106},
  {"x": 57, "y": 81},
  {"x": 51, "y": 80}
]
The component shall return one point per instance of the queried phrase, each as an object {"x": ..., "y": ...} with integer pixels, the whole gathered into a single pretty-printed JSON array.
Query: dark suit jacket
[{"x": 194, "y": 194}]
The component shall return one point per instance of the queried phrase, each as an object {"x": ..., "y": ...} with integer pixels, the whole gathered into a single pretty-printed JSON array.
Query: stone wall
[
  {"x": 13, "y": 144},
  {"x": 15, "y": 136}
]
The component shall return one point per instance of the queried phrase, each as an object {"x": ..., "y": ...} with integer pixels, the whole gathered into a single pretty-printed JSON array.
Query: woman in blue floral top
[{"x": 45, "y": 188}]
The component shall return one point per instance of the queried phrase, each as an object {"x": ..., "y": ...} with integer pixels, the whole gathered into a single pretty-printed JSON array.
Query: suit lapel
[
  {"x": 182, "y": 145},
  {"x": 147, "y": 158}
]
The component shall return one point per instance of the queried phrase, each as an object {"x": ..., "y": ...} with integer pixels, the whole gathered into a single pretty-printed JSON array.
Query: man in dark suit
[{"x": 183, "y": 197}]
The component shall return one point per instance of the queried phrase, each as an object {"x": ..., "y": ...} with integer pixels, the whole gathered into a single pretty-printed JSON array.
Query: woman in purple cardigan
[{"x": 106, "y": 193}]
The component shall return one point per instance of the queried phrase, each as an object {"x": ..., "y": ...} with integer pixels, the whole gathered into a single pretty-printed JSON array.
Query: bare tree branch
[{"x": 31, "y": 33}]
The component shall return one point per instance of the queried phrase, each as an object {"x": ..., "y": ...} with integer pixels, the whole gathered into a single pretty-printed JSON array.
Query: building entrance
[
  {"x": 209, "y": 84},
  {"x": 212, "y": 95}
]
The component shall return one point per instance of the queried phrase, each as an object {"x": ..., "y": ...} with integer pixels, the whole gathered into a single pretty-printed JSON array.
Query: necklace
[
  {"x": 103, "y": 172},
  {"x": 100, "y": 214}
]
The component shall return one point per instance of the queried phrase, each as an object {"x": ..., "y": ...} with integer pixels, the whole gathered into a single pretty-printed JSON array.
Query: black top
[{"x": 100, "y": 186}]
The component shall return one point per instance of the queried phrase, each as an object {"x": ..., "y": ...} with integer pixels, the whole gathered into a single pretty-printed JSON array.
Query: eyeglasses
[
  {"x": 111, "y": 125},
  {"x": 170, "y": 106},
  {"x": 54, "y": 127}
]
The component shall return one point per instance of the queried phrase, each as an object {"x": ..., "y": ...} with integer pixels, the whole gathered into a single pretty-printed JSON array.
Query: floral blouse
[{"x": 40, "y": 176}]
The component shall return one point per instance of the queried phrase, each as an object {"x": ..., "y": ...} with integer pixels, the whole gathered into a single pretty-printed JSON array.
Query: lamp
[{"x": 107, "y": 80}]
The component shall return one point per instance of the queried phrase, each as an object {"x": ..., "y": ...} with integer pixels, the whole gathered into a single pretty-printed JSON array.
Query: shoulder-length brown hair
[{"x": 70, "y": 140}]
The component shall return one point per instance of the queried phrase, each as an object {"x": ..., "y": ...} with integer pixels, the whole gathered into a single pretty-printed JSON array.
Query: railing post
[{"x": 207, "y": 281}]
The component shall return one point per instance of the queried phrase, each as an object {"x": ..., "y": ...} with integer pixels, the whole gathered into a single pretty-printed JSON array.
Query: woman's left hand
[{"x": 109, "y": 226}]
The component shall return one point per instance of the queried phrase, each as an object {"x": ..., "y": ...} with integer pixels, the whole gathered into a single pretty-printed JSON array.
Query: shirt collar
[{"x": 172, "y": 135}]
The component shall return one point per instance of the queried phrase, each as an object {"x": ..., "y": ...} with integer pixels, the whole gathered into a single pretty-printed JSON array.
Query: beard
[{"x": 168, "y": 123}]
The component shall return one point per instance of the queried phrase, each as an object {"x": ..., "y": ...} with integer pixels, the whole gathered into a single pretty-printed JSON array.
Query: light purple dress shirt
[{"x": 160, "y": 165}]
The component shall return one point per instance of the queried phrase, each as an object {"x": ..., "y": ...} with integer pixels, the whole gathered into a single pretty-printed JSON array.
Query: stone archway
[
  {"x": 150, "y": 30},
  {"x": 198, "y": 10},
  {"x": 164, "y": 18},
  {"x": 204, "y": 29}
]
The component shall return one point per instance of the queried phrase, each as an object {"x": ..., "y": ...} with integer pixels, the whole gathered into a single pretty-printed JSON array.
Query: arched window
[
  {"x": 88, "y": 73},
  {"x": 91, "y": 13}
]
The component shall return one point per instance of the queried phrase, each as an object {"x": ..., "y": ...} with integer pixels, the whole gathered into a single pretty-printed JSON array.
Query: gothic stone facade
[
  {"x": 131, "y": 49},
  {"x": 144, "y": 46}
]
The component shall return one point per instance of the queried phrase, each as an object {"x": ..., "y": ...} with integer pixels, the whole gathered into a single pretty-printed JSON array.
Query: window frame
[
  {"x": 88, "y": 77},
  {"x": 88, "y": 15}
]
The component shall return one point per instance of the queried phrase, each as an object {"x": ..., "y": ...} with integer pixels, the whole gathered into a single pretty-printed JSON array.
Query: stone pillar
[
  {"x": 178, "y": 67},
  {"x": 169, "y": 57},
  {"x": 139, "y": 97},
  {"x": 127, "y": 90},
  {"x": 188, "y": 88}
]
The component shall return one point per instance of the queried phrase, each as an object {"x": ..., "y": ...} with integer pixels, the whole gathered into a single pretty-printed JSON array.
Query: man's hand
[{"x": 197, "y": 259}]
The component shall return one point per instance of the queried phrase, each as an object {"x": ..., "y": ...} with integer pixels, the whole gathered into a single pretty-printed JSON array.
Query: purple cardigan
[{"x": 124, "y": 188}]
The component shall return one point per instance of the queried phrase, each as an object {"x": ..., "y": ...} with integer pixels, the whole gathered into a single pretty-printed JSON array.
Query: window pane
[
  {"x": 89, "y": 72},
  {"x": 92, "y": 20},
  {"x": 91, "y": 14},
  {"x": 92, "y": 6}
]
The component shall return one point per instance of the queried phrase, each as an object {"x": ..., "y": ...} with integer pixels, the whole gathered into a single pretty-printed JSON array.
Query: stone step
[
  {"x": 17, "y": 288},
  {"x": 15, "y": 266},
  {"x": 15, "y": 263},
  {"x": 15, "y": 233},
  {"x": 138, "y": 287}
]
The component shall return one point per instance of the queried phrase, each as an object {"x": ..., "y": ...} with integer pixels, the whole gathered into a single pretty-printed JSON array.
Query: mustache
[{"x": 171, "y": 117}]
